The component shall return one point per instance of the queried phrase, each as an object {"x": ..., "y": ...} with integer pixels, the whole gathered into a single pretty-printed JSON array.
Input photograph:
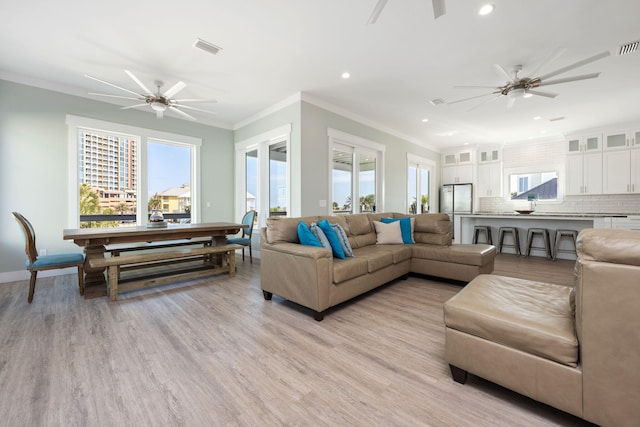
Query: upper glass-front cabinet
[
  {"x": 584, "y": 144},
  {"x": 490, "y": 155},
  {"x": 459, "y": 158},
  {"x": 621, "y": 140}
]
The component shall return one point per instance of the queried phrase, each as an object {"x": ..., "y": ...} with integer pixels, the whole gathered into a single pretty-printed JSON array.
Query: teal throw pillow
[
  {"x": 338, "y": 252},
  {"x": 344, "y": 240},
  {"x": 405, "y": 228},
  {"x": 317, "y": 231},
  {"x": 306, "y": 237}
]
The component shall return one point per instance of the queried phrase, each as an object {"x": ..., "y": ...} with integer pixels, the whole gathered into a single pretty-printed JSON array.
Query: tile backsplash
[{"x": 605, "y": 203}]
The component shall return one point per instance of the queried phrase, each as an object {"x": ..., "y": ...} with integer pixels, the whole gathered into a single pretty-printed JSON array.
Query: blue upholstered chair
[
  {"x": 37, "y": 263},
  {"x": 245, "y": 240}
]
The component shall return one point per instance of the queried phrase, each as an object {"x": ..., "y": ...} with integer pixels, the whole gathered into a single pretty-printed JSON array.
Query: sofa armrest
[{"x": 298, "y": 273}]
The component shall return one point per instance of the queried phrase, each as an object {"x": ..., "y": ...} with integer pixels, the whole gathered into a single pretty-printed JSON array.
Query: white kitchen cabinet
[
  {"x": 490, "y": 180},
  {"x": 487, "y": 155},
  {"x": 621, "y": 140},
  {"x": 457, "y": 167},
  {"x": 584, "y": 174},
  {"x": 584, "y": 144},
  {"x": 621, "y": 171},
  {"x": 460, "y": 174}
]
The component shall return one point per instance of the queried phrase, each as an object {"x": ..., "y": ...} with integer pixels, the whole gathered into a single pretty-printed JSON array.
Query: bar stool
[
  {"x": 544, "y": 233},
  {"x": 477, "y": 229},
  {"x": 516, "y": 239},
  {"x": 573, "y": 234}
]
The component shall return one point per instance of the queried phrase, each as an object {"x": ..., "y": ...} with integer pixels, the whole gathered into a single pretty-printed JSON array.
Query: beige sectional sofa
[
  {"x": 576, "y": 349},
  {"x": 312, "y": 277}
]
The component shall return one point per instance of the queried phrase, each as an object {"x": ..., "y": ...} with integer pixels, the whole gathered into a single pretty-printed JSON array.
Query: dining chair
[
  {"x": 245, "y": 240},
  {"x": 37, "y": 262}
]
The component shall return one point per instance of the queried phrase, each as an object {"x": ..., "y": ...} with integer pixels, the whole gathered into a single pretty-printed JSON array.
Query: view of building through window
[
  {"x": 534, "y": 186},
  {"x": 108, "y": 169}
]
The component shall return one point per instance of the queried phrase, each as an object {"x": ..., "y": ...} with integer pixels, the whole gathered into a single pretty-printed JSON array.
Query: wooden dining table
[{"x": 95, "y": 240}]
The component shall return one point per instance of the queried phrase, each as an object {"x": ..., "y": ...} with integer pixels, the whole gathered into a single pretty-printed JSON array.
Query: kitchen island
[{"x": 552, "y": 222}]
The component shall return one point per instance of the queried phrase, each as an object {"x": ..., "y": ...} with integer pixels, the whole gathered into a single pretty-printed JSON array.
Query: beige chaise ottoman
[{"x": 519, "y": 334}]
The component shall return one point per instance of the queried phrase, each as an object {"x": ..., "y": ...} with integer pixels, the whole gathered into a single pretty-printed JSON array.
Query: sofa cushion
[
  {"x": 344, "y": 240},
  {"x": 533, "y": 317},
  {"x": 399, "y": 253},
  {"x": 406, "y": 228},
  {"x": 306, "y": 237},
  {"x": 283, "y": 229},
  {"x": 376, "y": 258},
  {"x": 322, "y": 238},
  {"x": 388, "y": 234},
  {"x": 336, "y": 246},
  {"x": 468, "y": 254},
  {"x": 350, "y": 268},
  {"x": 360, "y": 231},
  {"x": 433, "y": 229}
]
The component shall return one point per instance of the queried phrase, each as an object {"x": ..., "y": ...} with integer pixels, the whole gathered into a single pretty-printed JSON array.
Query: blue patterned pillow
[
  {"x": 319, "y": 234},
  {"x": 333, "y": 239},
  {"x": 344, "y": 240},
  {"x": 405, "y": 228},
  {"x": 306, "y": 237}
]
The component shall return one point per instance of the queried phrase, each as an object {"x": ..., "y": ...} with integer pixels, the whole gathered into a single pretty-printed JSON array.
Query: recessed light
[
  {"x": 485, "y": 9},
  {"x": 425, "y": 120},
  {"x": 346, "y": 75},
  {"x": 537, "y": 118}
]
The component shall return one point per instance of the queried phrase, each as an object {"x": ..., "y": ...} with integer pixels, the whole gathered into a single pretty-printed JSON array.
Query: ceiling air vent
[
  {"x": 206, "y": 46},
  {"x": 436, "y": 101},
  {"x": 628, "y": 48},
  {"x": 555, "y": 119}
]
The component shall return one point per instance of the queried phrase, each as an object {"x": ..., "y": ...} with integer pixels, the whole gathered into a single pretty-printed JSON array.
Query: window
[
  {"x": 356, "y": 173},
  {"x": 263, "y": 174},
  {"x": 122, "y": 172},
  {"x": 534, "y": 186},
  {"x": 419, "y": 184}
]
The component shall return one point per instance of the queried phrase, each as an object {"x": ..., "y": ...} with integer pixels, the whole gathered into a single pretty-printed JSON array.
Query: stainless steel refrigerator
[{"x": 456, "y": 199}]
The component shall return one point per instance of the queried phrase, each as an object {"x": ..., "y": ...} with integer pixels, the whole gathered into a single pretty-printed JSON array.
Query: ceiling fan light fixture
[
  {"x": 527, "y": 95},
  {"x": 486, "y": 9},
  {"x": 158, "y": 106},
  {"x": 516, "y": 93}
]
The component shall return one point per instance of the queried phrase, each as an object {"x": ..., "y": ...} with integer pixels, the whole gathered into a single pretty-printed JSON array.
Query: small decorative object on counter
[{"x": 156, "y": 219}]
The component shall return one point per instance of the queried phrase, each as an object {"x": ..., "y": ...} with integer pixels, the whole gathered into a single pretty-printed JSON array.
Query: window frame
[
  {"x": 143, "y": 135},
  {"x": 261, "y": 143},
  {"x": 358, "y": 145},
  {"x": 421, "y": 163}
]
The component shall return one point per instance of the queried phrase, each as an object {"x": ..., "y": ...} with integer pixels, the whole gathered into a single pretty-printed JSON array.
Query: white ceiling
[{"x": 273, "y": 50}]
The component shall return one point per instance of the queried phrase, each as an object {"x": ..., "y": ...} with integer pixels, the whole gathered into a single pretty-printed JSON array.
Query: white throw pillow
[{"x": 388, "y": 234}]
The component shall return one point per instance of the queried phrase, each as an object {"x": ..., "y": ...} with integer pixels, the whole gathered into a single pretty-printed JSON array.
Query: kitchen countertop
[{"x": 546, "y": 214}]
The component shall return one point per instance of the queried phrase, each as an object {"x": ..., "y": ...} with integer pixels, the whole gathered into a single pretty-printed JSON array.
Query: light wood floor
[{"x": 213, "y": 352}]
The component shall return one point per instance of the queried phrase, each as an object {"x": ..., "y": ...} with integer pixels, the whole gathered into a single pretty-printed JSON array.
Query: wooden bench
[{"x": 115, "y": 263}]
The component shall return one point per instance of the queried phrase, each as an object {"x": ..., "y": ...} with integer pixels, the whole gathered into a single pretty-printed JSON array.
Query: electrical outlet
[{"x": 42, "y": 252}]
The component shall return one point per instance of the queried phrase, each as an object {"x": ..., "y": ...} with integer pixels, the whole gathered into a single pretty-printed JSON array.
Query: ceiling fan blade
[
  {"x": 138, "y": 82},
  {"x": 545, "y": 94},
  {"x": 197, "y": 109},
  {"x": 133, "y": 106},
  {"x": 576, "y": 65},
  {"x": 474, "y": 87},
  {"x": 182, "y": 113},
  {"x": 174, "y": 89},
  {"x": 116, "y": 96},
  {"x": 212, "y": 101},
  {"x": 557, "y": 53},
  {"x": 569, "y": 79},
  {"x": 112, "y": 85},
  {"x": 439, "y": 8},
  {"x": 485, "y": 102},
  {"x": 502, "y": 72},
  {"x": 377, "y": 10},
  {"x": 473, "y": 97}
]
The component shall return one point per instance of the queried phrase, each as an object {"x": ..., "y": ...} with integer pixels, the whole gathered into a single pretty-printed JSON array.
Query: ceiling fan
[
  {"x": 524, "y": 87},
  {"x": 159, "y": 102},
  {"x": 439, "y": 9}
]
